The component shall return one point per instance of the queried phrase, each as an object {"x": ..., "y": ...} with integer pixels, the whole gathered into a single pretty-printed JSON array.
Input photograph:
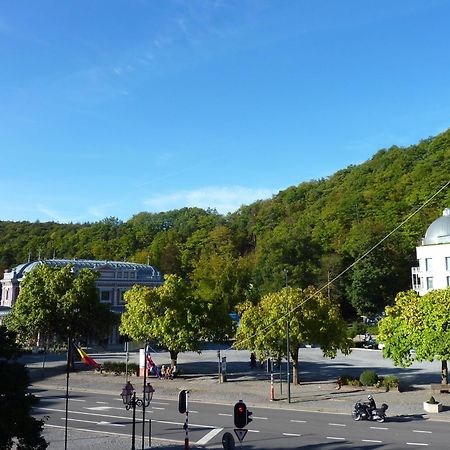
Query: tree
[
  {"x": 418, "y": 329},
  {"x": 170, "y": 315},
  {"x": 17, "y": 426},
  {"x": 313, "y": 319},
  {"x": 57, "y": 301}
]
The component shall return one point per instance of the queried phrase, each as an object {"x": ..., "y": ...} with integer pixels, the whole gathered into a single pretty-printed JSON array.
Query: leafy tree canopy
[
  {"x": 417, "y": 329},
  {"x": 57, "y": 301},
  {"x": 313, "y": 319}
]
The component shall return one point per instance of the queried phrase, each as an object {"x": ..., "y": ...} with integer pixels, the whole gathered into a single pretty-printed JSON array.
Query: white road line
[
  {"x": 417, "y": 443},
  {"x": 298, "y": 421},
  {"x": 205, "y": 439},
  {"x": 93, "y": 421},
  {"x": 109, "y": 433},
  {"x": 374, "y": 441},
  {"x": 190, "y": 411},
  {"x": 260, "y": 418},
  {"x": 336, "y": 438},
  {"x": 73, "y": 399},
  {"x": 291, "y": 434},
  {"x": 102, "y": 403},
  {"x": 379, "y": 428},
  {"x": 160, "y": 409},
  {"x": 160, "y": 403},
  {"x": 98, "y": 408},
  {"x": 337, "y": 424},
  {"x": 226, "y": 415},
  {"x": 253, "y": 431},
  {"x": 422, "y": 431}
]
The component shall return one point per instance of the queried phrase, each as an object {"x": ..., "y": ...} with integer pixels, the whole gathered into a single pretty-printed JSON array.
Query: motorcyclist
[{"x": 370, "y": 406}]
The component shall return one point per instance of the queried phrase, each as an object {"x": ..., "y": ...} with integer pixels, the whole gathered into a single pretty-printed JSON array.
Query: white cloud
[{"x": 222, "y": 198}]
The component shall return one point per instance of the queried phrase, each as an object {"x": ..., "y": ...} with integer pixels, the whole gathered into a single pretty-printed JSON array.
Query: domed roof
[{"x": 439, "y": 231}]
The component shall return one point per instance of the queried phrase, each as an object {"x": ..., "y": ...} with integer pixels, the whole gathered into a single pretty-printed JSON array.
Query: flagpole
[
  {"x": 69, "y": 344},
  {"x": 143, "y": 393}
]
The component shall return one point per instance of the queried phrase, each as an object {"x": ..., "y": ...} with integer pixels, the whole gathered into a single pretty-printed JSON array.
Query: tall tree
[
  {"x": 18, "y": 428},
  {"x": 170, "y": 315},
  {"x": 418, "y": 329},
  {"x": 58, "y": 301},
  {"x": 313, "y": 319}
]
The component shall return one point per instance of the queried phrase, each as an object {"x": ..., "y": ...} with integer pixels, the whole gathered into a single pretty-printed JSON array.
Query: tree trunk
[
  {"x": 295, "y": 375},
  {"x": 173, "y": 358},
  {"x": 444, "y": 372}
]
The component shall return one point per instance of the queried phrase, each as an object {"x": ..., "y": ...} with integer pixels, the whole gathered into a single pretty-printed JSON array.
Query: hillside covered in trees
[{"x": 315, "y": 230}]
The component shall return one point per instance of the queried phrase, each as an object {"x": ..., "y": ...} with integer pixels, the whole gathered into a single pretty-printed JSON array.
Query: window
[
  {"x": 448, "y": 281},
  {"x": 429, "y": 283},
  {"x": 105, "y": 296},
  {"x": 428, "y": 264},
  {"x": 447, "y": 263},
  {"x": 122, "y": 299}
]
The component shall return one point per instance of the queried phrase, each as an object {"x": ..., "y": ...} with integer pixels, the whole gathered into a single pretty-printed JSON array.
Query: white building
[
  {"x": 115, "y": 278},
  {"x": 434, "y": 257}
]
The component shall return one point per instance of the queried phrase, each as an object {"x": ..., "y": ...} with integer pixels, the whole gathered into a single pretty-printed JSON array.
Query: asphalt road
[{"x": 270, "y": 429}]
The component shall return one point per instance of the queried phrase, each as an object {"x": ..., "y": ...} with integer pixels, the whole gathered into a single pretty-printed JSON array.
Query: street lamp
[{"x": 131, "y": 401}]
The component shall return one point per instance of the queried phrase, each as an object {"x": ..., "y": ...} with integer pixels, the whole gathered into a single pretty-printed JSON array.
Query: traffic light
[
  {"x": 182, "y": 401},
  {"x": 240, "y": 414},
  {"x": 249, "y": 417}
]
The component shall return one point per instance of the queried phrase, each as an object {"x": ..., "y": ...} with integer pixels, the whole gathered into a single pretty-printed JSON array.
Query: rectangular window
[
  {"x": 105, "y": 296},
  {"x": 429, "y": 283},
  {"x": 447, "y": 263},
  {"x": 122, "y": 299},
  {"x": 428, "y": 264},
  {"x": 448, "y": 281}
]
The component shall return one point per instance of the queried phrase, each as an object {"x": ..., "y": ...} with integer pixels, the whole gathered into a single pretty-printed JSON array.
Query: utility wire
[{"x": 358, "y": 260}]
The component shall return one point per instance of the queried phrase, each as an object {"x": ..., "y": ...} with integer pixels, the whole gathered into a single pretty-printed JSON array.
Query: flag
[
  {"x": 86, "y": 358},
  {"x": 152, "y": 367}
]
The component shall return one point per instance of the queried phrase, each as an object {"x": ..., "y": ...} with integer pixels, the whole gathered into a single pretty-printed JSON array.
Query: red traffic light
[{"x": 240, "y": 414}]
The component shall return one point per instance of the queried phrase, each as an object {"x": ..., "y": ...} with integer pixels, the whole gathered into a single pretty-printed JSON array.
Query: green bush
[
  {"x": 389, "y": 382},
  {"x": 432, "y": 401},
  {"x": 368, "y": 378},
  {"x": 119, "y": 368},
  {"x": 356, "y": 328}
]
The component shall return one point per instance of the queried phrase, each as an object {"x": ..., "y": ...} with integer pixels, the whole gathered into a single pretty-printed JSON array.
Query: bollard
[{"x": 272, "y": 389}]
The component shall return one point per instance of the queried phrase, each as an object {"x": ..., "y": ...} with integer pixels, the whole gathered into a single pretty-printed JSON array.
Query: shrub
[
  {"x": 356, "y": 328},
  {"x": 391, "y": 381},
  {"x": 432, "y": 401},
  {"x": 119, "y": 368},
  {"x": 346, "y": 378},
  {"x": 368, "y": 378}
]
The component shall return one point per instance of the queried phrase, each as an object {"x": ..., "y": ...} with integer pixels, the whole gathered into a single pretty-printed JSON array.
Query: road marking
[
  {"x": 291, "y": 434},
  {"x": 98, "y": 408},
  {"x": 205, "y": 439},
  {"x": 260, "y": 418},
  {"x": 379, "y": 428},
  {"x": 108, "y": 433},
  {"x": 102, "y": 403},
  {"x": 422, "y": 431},
  {"x": 372, "y": 441},
  {"x": 226, "y": 415},
  {"x": 298, "y": 421},
  {"x": 94, "y": 421},
  {"x": 337, "y": 424},
  {"x": 253, "y": 431},
  {"x": 190, "y": 411},
  {"x": 160, "y": 409},
  {"x": 160, "y": 403},
  {"x": 417, "y": 443},
  {"x": 336, "y": 438}
]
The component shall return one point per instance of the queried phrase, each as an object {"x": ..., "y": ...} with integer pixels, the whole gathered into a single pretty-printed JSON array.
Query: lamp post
[
  {"x": 131, "y": 402},
  {"x": 288, "y": 344}
]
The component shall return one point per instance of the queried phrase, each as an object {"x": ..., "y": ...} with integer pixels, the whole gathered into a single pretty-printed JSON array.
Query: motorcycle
[{"x": 361, "y": 412}]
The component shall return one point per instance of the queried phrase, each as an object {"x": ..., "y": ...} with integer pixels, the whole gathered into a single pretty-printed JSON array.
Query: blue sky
[{"x": 109, "y": 108}]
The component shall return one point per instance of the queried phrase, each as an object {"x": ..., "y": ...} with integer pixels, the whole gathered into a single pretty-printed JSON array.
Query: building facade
[
  {"x": 115, "y": 278},
  {"x": 433, "y": 255}
]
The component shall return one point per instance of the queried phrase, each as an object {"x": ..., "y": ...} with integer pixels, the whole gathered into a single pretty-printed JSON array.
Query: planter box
[{"x": 432, "y": 407}]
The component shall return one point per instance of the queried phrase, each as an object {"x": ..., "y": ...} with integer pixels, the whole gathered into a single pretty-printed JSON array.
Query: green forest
[{"x": 314, "y": 230}]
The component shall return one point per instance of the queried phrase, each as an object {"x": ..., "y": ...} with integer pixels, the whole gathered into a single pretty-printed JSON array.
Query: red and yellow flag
[{"x": 86, "y": 358}]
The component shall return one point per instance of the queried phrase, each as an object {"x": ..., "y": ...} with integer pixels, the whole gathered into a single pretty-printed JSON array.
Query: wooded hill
[{"x": 315, "y": 230}]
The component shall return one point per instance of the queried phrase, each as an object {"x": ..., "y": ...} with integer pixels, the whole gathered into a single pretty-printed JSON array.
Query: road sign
[{"x": 240, "y": 433}]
